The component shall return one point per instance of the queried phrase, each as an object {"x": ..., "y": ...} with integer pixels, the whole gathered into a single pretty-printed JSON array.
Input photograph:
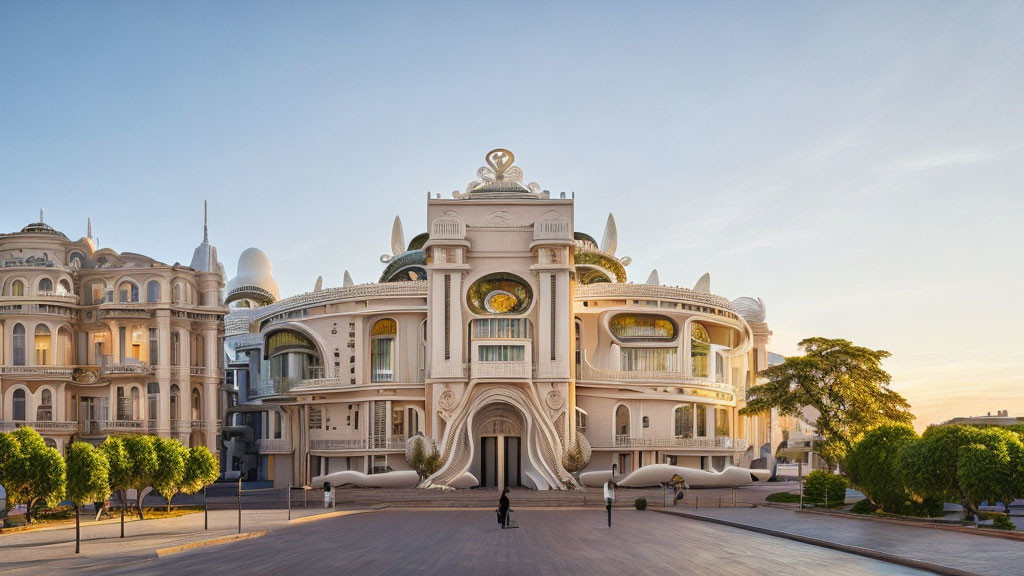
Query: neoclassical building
[
  {"x": 503, "y": 335},
  {"x": 95, "y": 342}
]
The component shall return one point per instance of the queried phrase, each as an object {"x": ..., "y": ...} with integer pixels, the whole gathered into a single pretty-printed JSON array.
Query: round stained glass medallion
[{"x": 499, "y": 294}]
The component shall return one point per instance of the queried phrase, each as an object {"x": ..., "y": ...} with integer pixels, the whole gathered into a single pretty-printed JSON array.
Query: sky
[{"x": 856, "y": 165}]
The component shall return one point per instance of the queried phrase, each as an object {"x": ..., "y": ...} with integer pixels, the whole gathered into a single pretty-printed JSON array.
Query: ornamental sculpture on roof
[{"x": 500, "y": 179}]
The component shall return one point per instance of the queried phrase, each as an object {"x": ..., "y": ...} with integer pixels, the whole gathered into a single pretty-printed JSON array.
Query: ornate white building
[
  {"x": 505, "y": 337},
  {"x": 93, "y": 342}
]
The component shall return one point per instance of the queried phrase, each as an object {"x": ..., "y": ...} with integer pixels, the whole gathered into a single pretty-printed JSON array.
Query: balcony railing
[
  {"x": 515, "y": 369},
  {"x": 713, "y": 443},
  {"x": 601, "y": 375},
  {"x": 55, "y": 371},
  {"x": 126, "y": 368},
  {"x": 41, "y": 425},
  {"x": 390, "y": 443},
  {"x": 123, "y": 426},
  {"x": 273, "y": 445}
]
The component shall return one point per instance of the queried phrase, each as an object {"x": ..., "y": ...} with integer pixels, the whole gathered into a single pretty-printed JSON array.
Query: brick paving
[{"x": 976, "y": 554}]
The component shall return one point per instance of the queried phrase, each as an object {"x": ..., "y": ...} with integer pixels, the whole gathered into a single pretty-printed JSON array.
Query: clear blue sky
[{"x": 857, "y": 165}]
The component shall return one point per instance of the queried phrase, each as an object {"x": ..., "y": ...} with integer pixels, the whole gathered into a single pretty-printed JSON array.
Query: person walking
[
  {"x": 503, "y": 505},
  {"x": 102, "y": 508},
  {"x": 609, "y": 498}
]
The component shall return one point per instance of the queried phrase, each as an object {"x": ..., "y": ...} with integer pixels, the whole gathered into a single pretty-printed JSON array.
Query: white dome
[
  {"x": 751, "y": 310},
  {"x": 254, "y": 279}
]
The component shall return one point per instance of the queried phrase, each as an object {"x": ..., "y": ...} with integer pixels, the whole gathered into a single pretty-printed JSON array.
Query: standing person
[
  {"x": 503, "y": 505},
  {"x": 609, "y": 498},
  {"x": 102, "y": 508}
]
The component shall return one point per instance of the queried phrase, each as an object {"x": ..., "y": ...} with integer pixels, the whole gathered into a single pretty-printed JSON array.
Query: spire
[
  {"x": 347, "y": 281},
  {"x": 41, "y": 216},
  {"x": 88, "y": 227},
  {"x": 206, "y": 234}
]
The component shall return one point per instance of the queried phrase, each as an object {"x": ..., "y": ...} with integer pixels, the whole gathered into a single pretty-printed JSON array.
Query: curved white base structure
[
  {"x": 399, "y": 479},
  {"x": 655, "y": 474}
]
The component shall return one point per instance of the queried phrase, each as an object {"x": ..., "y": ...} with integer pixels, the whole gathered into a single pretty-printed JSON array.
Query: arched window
[
  {"x": 43, "y": 345},
  {"x": 64, "y": 287},
  {"x": 45, "y": 285},
  {"x": 382, "y": 350},
  {"x": 153, "y": 291},
  {"x": 175, "y": 395},
  {"x": 176, "y": 294},
  {"x": 18, "y": 288},
  {"x": 44, "y": 413},
  {"x": 19, "y": 405},
  {"x": 197, "y": 405},
  {"x": 128, "y": 292},
  {"x": 622, "y": 420},
  {"x": 684, "y": 421},
  {"x": 720, "y": 366},
  {"x": 700, "y": 347},
  {"x": 18, "y": 343}
]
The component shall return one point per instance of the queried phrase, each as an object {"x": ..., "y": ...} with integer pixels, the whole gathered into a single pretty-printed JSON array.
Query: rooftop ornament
[{"x": 500, "y": 179}]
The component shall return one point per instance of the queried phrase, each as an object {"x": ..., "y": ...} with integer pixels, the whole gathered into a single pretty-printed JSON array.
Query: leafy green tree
[
  {"x": 118, "y": 467},
  {"x": 423, "y": 456},
  {"x": 825, "y": 488},
  {"x": 843, "y": 383},
  {"x": 142, "y": 465},
  {"x": 964, "y": 464},
  {"x": 88, "y": 480},
  {"x": 87, "y": 473},
  {"x": 201, "y": 469},
  {"x": 873, "y": 465},
  {"x": 31, "y": 471},
  {"x": 988, "y": 469},
  {"x": 170, "y": 456}
]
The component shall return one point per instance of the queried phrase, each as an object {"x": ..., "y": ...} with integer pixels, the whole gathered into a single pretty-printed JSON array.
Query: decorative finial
[
  {"x": 397, "y": 237},
  {"x": 319, "y": 284},
  {"x": 41, "y": 216},
  {"x": 347, "y": 280},
  {"x": 206, "y": 233},
  {"x": 88, "y": 227},
  {"x": 500, "y": 160},
  {"x": 703, "y": 285},
  {"x": 610, "y": 239}
]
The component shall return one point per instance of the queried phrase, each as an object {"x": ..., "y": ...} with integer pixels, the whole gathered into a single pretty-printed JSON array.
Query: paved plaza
[{"x": 470, "y": 542}]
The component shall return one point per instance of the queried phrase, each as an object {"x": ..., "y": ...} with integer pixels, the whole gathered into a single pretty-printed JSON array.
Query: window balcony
[
  {"x": 46, "y": 371},
  {"x": 128, "y": 366},
  {"x": 123, "y": 426},
  {"x": 521, "y": 370},
  {"x": 274, "y": 445},
  {"x": 41, "y": 426},
  {"x": 389, "y": 443},
  {"x": 709, "y": 443}
]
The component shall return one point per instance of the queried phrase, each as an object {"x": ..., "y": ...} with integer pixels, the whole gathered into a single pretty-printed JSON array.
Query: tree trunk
[
  {"x": 28, "y": 510},
  {"x": 78, "y": 527},
  {"x": 140, "y": 498},
  {"x": 169, "y": 502}
]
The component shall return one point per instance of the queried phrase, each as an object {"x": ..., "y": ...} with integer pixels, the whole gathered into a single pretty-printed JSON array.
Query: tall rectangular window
[
  {"x": 447, "y": 316},
  {"x": 154, "y": 350},
  {"x": 502, "y": 353},
  {"x": 554, "y": 316},
  {"x": 721, "y": 422},
  {"x": 702, "y": 420}
]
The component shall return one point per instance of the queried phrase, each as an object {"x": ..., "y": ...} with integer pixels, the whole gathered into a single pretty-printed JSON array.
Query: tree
[
  {"x": 31, "y": 471},
  {"x": 170, "y": 456},
  {"x": 843, "y": 383},
  {"x": 423, "y": 456},
  {"x": 988, "y": 468},
  {"x": 119, "y": 470},
  {"x": 873, "y": 465},
  {"x": 201, "y": 469},
  {"x": 87, "y": 474},
  {"x": 142, "y": 465}
]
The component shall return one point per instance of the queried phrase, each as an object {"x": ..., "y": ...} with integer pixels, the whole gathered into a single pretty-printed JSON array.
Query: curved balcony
[
  {"x": 341, "y": 445},
  {"x": 126, "y": 366},
  {"x": 711, "y": 443},
  {"x": 124, "y": 426},
  {"x": 591, "y": 373}
]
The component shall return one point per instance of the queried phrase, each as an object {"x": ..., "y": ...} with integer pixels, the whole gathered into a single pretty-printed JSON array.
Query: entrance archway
[{"x": 498, "y": 438}]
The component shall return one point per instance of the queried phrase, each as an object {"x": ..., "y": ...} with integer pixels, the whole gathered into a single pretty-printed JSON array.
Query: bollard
[
  {"x": 289, "y": 501},
  {"x": 801, "y": 485},
  {"x": 719, "y": 500},
  {"x": 733, "y": 497},
  {"x": 206, "y": 511},
  {"x": 696, "y": 502},
  {"x": 239, "y": 504}
]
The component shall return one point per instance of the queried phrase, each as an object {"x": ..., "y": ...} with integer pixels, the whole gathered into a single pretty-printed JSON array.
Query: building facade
[
  {"x": 506, "y": 338},
  {"x": 95, "y": 342}
]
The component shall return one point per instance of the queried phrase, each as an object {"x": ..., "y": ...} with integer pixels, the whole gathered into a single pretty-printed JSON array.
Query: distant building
[
  {"x": 95, "y": 342},
  {"x": 1001, "y": 418}
]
